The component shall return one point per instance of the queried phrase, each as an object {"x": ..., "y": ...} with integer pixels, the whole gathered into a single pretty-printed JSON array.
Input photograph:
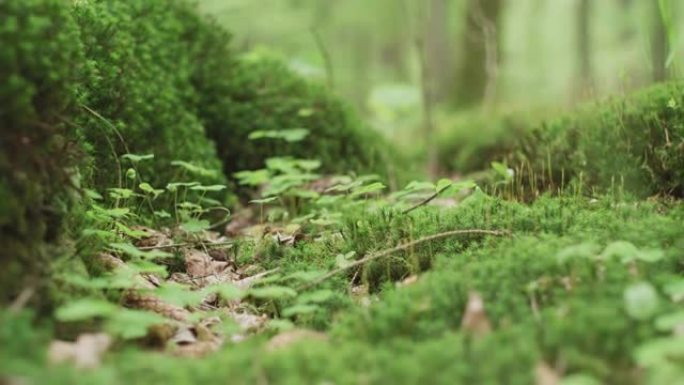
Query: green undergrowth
[
  {"x": 265, "y": 110},
  {"x": 92, "y": 90},
  {"x": 592, "y": 288},
  {"x": 633, "y": 142}
]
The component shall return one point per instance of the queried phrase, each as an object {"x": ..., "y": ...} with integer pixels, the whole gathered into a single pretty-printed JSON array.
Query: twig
[
  {"x": 325, "y": 54},
  {"x": 185, "y": 244},
  {"x": 403, "y": 247},
  {"x": 426, "y": 200}
]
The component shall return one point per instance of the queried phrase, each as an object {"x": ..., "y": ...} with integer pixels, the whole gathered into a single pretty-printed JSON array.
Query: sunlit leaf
[
  {"x": 301, "y": 309},
  {"x": 85, "y": 309},
  {"x": 129, "y": 324},
  {"x": 137, "y": 158},
  {"x": 195, "y": 225},
  {"x": 641, "y": 300},
  {"x": 273, "y": 292}
]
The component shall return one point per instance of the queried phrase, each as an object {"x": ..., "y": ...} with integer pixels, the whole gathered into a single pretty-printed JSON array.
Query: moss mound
[
  {"x": 261, "y": 95},
  {"x": 635, "y": 143},
  {"x": 140, "y": 97},
  {"x": 40, "y": 62}
]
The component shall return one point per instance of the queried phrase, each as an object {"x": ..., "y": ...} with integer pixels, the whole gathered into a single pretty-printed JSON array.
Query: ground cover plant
[{"x": 174, "y": 211}]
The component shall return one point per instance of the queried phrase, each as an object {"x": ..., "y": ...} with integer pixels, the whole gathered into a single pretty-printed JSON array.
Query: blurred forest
[{"x": 386, "y": 55}]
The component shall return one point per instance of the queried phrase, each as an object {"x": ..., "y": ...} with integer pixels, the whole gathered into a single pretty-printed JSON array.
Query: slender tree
[
  {"x": 659, "y": 43},
  {"x": 585, "y": 70},
  {"x": 478, "y": 71}
]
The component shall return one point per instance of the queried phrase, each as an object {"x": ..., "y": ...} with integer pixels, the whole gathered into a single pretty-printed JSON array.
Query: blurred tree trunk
[
  {"x": 585, "y": 69},
  {"x": 659, "y": 44},
  {"x": 439, "y": 49},
  {"x": 478, "y": 71}
]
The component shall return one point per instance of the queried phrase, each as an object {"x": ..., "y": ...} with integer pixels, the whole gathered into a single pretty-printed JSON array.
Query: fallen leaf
[
  {"x": 408, "y": 281},
  {"x": 85, "y": 353},
  {"x": 546, "y": 375},
  {"x": 475, "y": 319}
]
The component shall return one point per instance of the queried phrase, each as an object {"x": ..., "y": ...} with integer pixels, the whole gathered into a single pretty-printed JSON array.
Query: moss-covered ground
[{"x": 556, "y": 293}]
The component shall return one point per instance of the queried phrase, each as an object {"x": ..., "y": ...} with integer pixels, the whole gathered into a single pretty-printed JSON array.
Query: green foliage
[
  {"x": 41, "y": 60},
  {"x": 140, "y": 97},
  {"x": 633, "y": 144},
  {"x": 265, "y": 110}
]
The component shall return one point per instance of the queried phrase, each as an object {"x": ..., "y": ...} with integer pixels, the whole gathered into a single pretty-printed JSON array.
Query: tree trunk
[
  {"x": 660, "y": 46},
  {"x": 478, "y": 71},
  {"x": 585, "y": 70},
  {"x": 439, "y": 49}
]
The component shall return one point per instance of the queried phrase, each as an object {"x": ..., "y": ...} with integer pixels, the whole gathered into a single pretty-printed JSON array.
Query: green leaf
[
  {"x": 583, "y": 250},
  {"x": 146, "y": 187},
  {"x": 675, "y": 290},
  {"x": 418, "y": 185},
  {"x": 305, "y": 112},
  {"x": 173, "y": 187},
  {"x": 228, "y": 291},
  {"x": 273, "y": 292},
  {"x": 641, "y": 300},
  {"x": 623, "y": 250},
  {"x": 660, "y": 350},
  {"x": 128, "y": 249},
  {"x": 301, "y": 309},
  {"x": 306, "y": 276},
  {"x": 216, "y": 187},
  {"x": 131, "y": 173},
  {"x": 162, "y": 214},
  {"x": 368, "y": 189},
  {"x": 180, "y": 295},
  {"x": 264, "y": 201},
  {"x": 92, "y": 194},
  {"x": 443, "y": 184},
  {"x": 344, "y": 260},
  {"x": 580, "y": 379},
  {"x": 253, "y": 178},
  {"x": 670, "y": 322},
  {"x": 129, "y": 324},
  {"x": 194, "y": 169},
  {"x": 137, "y": 158},
  {"x": 195, "y": 225},
  {"x": 136, "y": 234},
  {"x": 291, "y": 135},
  {"x": 121, "y": 193},
  {"x": 502, "y": 170},
  {"x": 318, "y": 296},
  {"x": 85, "y": 309}
]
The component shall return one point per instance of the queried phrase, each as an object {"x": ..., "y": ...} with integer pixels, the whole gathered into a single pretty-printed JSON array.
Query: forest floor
[{"x": 565, "y": 290}]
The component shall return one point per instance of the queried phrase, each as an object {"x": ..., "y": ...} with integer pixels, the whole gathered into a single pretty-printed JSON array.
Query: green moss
[
  {"x": 262, "y": 94},
  {"x": 140, "y": 97},
  {"x": 635, "y": 143},
  {"x": 40, "y": 61}
]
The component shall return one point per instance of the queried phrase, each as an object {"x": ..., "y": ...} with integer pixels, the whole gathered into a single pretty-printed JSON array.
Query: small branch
[
  {"x": 426, "y": 200},
  {"x": 185, "y": 244},
  {"x": 402, "y": 247},
  {"x": 325, "y": 54}
]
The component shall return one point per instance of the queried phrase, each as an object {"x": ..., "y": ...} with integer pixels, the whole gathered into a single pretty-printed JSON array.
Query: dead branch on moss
[
  {"x": 402, "y": 247},
  {"x": 427, "y": 200}
]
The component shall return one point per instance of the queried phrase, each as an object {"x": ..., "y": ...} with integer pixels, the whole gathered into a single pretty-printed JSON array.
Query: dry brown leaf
[
  {"x": 151, "y": 303},
  {"x": 546, "y": 375},
  {"x": 291, "y": 337},
  {"x": 85, "y": 353},
  {"x": 475, "y": 318},
  {"x": 184, "y": 336},
  {"x": 198, "y": 349},
  {"x": 153, "y": 238},
  {"x": 248, "y": 321},
  {"x": 408, "y": 281}
]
